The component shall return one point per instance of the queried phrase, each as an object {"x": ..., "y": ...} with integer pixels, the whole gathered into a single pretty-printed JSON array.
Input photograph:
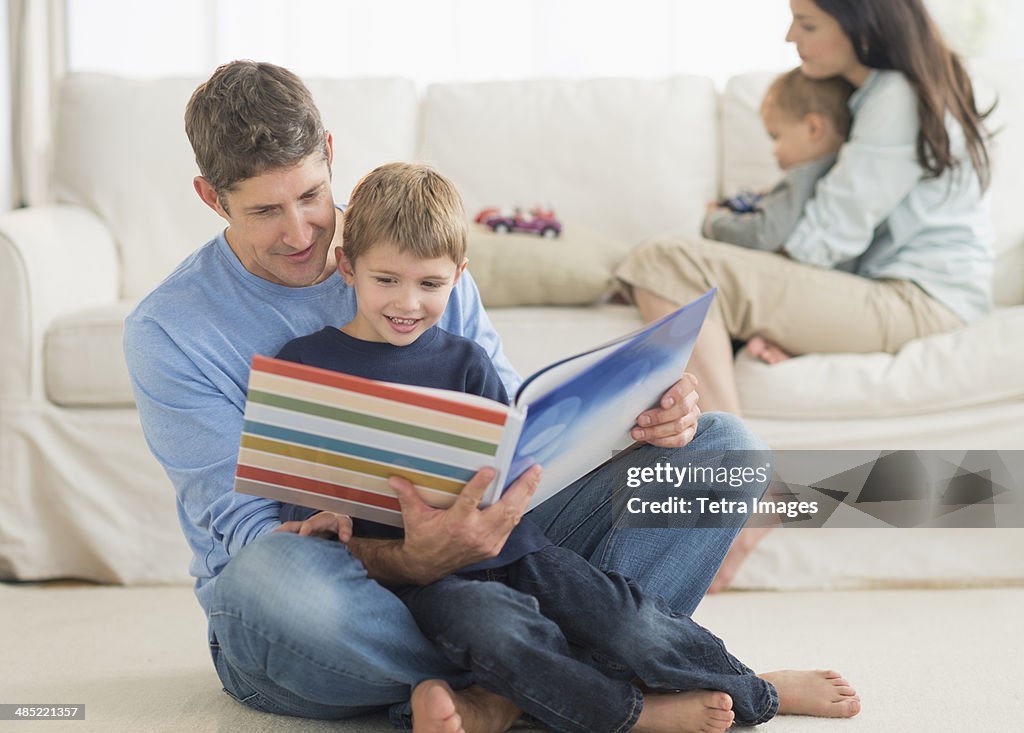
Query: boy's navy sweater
[{"x": 436, "y": 359}]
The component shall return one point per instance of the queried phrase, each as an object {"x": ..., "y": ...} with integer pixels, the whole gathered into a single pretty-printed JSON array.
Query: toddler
[{"x": 808, "y": 120}]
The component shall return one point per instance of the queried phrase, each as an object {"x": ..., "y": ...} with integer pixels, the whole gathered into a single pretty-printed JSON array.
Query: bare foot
[
  {"x": 436, "y": 708},
  {"x": 742, "y": 546},
  {"x": 822, "y": 693},
  {"x": 767, "y": 351},
  {"x": 695, "y": 711}
]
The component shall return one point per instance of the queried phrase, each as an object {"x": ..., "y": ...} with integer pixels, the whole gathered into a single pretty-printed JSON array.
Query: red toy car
[{"x": 538, "y": 220}]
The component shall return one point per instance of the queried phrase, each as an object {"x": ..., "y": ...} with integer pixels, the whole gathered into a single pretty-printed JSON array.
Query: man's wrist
[{"x": 387, "y": 561}]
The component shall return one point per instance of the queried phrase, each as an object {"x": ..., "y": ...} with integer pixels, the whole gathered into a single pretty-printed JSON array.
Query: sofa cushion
[
  {"x": 535, "y": 337},
  {"x": 747, "y": 161},
  {"x": 976, "y": 365},
  {"x": 121, "y": 152},
  {"x": 524, "y": 269},
  {"x": 83, "y": 362}
]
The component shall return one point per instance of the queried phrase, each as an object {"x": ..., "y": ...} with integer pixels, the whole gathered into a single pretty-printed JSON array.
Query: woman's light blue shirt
[{"x": 877, "y": 205}]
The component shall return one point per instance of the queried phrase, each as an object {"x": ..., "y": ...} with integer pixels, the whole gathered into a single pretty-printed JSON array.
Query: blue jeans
[
  {"x": 528, "y": 630},
  {"x": 300, "y": 630}
]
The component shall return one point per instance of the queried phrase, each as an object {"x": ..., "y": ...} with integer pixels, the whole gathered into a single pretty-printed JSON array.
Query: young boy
[
  {"x": 808, "y": 120},
  {"x": 523, "y": 621}
]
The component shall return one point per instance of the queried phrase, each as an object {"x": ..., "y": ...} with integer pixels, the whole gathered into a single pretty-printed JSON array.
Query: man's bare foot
[
  {"x": 767, "y": 351},
  {"x": 695, "y": 711},
  {"x": 742, "y": 546},
  {"x": 436, "y": 708},
  {"x": 822, "y": 693}
]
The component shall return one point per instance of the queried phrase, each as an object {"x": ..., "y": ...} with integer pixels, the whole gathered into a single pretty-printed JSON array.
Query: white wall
[
  {"x": 6, "y": 158},
  {"x": 434, "y": 40},
  {"x": 456, "y": 40}
]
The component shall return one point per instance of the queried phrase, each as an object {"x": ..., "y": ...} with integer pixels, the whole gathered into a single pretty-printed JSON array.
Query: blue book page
[{"x": 575, "y": 425}]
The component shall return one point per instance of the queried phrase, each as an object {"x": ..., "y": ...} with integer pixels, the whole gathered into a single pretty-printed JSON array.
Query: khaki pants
[{"x": 802, "y": 308}]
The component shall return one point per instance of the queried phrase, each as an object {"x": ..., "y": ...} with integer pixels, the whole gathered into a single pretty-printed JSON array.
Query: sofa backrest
[
  {"x": 747, "y": 161},
  {"x": 628, "y": 158},
  {"x": 121, "y": 152}
]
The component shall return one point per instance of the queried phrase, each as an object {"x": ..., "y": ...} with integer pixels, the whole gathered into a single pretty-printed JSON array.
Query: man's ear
[
  {"x": 345, "y": 267},
  {"x": 460, "y": 269},
  {"x": 209, "y": 196},
  {"x": 330, "y": 147}
]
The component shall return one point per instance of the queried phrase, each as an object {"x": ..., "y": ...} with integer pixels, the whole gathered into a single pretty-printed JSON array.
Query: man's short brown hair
[
  {"x": 798, "y": 95},
  {"x": 410, "y": 206},
  {"x": 250, "y": 117}
]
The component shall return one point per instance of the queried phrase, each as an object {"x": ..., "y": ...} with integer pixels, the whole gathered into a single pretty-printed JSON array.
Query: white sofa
[{"x": 621, "y": 160}]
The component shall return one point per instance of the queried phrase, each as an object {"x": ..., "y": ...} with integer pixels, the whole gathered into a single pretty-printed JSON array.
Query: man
[{"x": 299, "y": 625}]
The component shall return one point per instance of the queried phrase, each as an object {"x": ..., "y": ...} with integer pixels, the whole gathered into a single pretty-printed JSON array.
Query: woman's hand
[{"x": 327, "y": 525}]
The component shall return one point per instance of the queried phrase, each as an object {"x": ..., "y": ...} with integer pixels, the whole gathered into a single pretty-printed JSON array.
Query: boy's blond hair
[
  {"x": 248, "y": 118},
  {"x": 797, "y": 95},
  {"x": 410, "y": 206}
]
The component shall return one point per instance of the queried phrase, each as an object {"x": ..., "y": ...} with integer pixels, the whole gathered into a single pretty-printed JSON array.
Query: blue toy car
[{"x": 743, "y": 202}]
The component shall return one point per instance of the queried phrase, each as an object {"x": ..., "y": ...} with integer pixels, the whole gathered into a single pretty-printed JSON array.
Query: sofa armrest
[{"x": 54, "y": 259}]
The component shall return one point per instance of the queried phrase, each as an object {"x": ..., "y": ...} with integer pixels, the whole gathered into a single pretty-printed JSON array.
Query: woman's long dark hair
[{"x": 900, "y": 35}]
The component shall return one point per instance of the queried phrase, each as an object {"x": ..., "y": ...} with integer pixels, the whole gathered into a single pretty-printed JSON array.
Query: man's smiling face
[{"x": 281, "y": 222}]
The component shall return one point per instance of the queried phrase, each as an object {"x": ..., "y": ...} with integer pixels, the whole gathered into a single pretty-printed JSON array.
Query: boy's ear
[
  {"x": 817, "y": 125},
  {"x": 345, "y": 268},
  {"x": 460, "y": 269},
  {"x": 209, "y": 196}
]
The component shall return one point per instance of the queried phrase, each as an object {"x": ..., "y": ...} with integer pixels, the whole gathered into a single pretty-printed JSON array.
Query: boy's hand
[
  {"x": 323, "y": 524},
  {"x": 440, "y": 541},
  {"x": 674, "y": 422}
]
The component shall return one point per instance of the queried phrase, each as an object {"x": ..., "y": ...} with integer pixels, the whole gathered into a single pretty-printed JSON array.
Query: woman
[{"x": 903, "y": 207}]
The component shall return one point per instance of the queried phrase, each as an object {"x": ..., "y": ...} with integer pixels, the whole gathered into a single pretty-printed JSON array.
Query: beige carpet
[{"x": 922, "y": 660}]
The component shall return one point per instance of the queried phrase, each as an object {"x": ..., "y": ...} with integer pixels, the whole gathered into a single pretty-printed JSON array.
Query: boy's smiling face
[{"x": 398, "y": 295}]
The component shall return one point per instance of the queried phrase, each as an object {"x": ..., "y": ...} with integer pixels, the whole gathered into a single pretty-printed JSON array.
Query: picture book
[{"x": 330, "y": 441}]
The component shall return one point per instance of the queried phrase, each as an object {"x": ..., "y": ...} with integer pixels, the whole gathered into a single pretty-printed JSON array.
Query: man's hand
[
  {"x": 324, "y": 524},
  {"x": 674, "y": 422},
  {"x": 439, "y": 541}
]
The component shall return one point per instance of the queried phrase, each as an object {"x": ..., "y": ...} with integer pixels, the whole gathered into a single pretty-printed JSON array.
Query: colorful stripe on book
[
  {"x": 314, "y": 433},
  {"x": 392, "y": 392},
  {"x": 317, "y": 487},
  {"x": 397, "y": 466},
  {"x": 446, "y": 422},
  {"x": 335, "y": 451},
  {"x": 374, "y": 422}
]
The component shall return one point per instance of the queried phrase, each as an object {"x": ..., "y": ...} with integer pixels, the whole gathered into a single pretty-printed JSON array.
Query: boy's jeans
[
  {"x": 527, "y": 631},
  {"x": 300, "y": 630}
]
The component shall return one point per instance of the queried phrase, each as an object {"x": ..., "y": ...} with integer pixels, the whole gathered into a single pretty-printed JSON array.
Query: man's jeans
[
  {"x": 539, "y": 632},
  {"x": 300, "y": 630}
]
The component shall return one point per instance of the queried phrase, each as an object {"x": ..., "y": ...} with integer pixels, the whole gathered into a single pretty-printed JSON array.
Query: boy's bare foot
[
  {"x": 822, "y": 693},
  {"x": 742, "y": 546},
  {"x": 767, "y": 351},
  {"x": 436, "y": 708},
  {"x": 695, "y": 711}
]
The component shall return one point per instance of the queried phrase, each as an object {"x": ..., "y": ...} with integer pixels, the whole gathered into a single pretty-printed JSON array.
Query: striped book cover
[{"x": 329, "y": 441}]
